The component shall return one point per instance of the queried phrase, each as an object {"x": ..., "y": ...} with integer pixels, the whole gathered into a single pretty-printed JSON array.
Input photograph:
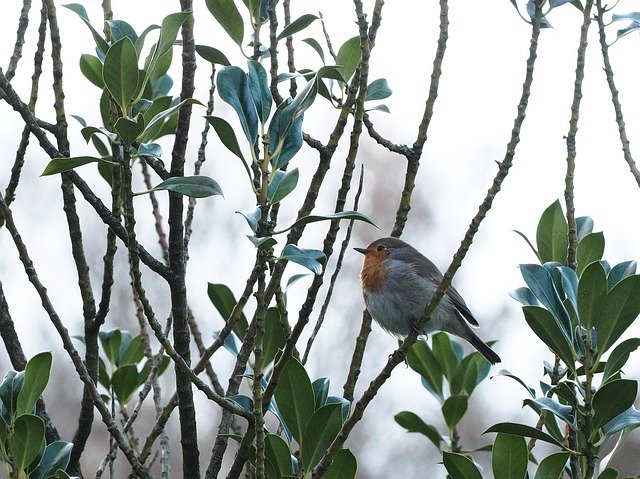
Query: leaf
[
  {"x": 564, "y": 412},
  {"x": 343, "y": 215},
  {"x": 26, "y": 441},
  {"x": 60, "y": 165},
  {"x": 102, "y": 45},
  {"x": 443, "y": 350},
  {"x": 56, "y": 457},
  {"x": 227, "y": 15},
  {"x": 530, "y": 390},
  {"x": 262, "y": 243},
  {"x": 285, "y": 134},
  {"x": 509, "y": 457},
  {"x": 459, "y": 466},
  {"x": 294, "y": 396},
  {"x": 312, "y": 259},
  {"x": 619, "y": 357},
  {"x": 129, "y": 130},
  {"x": 120, "y": 29},
  {"x": 321, "y": 430},
  {"x": 245, "y": 402},
  {"x": 344, "y": 466},
  {"x": 378, "y": 90},
  {"x": 349, "y": 57},
  {"x": 162, "y": 118},
  {"x": 297, "y": 25},
  {"x": 274, "y": 337},
  {"x": 223, "y": 300},
  {"x": 36, "y": 377},
  {"x": 524, "y": 431},
  {"x": 619, "y": 310},
  {"x": 226, "y": 134},
  {"x": 454, "y": 409},
  {"x": 608, "y": 473},
  {"x": 192, "y": 186},
  {"x": 150, "y": 149},
  {"x": 412, "y": 423},
  {"x": 612, "y": 399},
  {"x": 546, "y": 328},
  {"x": 592, "y": 291},
  {"x": 590, "y": 249},
  {"x": 277, "y": 451},
  {"x": 120, "y": 72},
  {"x": 420, "y": 358},
  {"x": 472, "y": 370},
  {"x": 133, "y": 352},
  {"x": 621, "y": 271},
  {"x": 91, "y": 68},
  {"x": 233, "y": 88},
  {"x": 569, "y": 282},
  {"x": 282, "y": 184},
  {"x": 253, "y": 218},
  {"x": 313, "y": 43},
  {"x": 551, "y": 234},
  {"x": 628, "y": 419},
  {"x": 524, "y": 296},
  {"x": 584, "y": 226},
  {"x": 125, "y": 382},
  {"x": 259, "y": 87},
  {"x": 552, "y": 466},
  {"x": 531, "y": 8},
  {"x": 212, "y": 55},
  {"x": 320, "y": 391}
]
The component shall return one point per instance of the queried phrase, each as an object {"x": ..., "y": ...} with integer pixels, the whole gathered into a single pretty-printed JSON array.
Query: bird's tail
[{"x": 480, "y": 345}]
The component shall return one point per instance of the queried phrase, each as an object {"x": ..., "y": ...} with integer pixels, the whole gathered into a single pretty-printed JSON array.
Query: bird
[{"x": 397, "y": 283}]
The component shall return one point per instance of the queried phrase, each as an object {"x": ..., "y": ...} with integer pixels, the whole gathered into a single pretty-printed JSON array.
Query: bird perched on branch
[{"x": 398, "y": 281}]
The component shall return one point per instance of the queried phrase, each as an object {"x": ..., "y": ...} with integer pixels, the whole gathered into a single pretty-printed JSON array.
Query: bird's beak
[{"x": 361, "y": 250}]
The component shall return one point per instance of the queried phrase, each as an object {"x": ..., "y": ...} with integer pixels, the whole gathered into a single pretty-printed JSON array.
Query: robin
[{"x": 397, "y": 283}]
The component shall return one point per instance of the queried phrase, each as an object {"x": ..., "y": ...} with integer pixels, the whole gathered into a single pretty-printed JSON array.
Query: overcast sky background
[{"x": 481, "y": 83}]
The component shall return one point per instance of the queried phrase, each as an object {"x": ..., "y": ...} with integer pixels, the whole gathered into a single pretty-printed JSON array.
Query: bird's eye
[{"x": 381, "y": 247}]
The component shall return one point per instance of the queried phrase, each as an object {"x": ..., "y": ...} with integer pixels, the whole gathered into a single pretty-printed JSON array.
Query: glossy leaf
[
  {"x": 155, "y": 126},
  {"x": 259, "y": 87},
  {"x": 297, "y": 25},
  {"x": 91, "y": 68},
  {"x": 120, "y": 29},
  {"x": 531, "y": 8},
  {"x": 619, "y": 310},
  {"x": 509, "y": 457},
  {"x": 133, "y": 352},
  {"x": 523, "y": 430},
  {"x": 551, "y": 235},
  {"x": 321, "y": 430},
  {"x": 224, "y": 301},
  {"x": 564, "y": 412},
  {"x": 26, "y": 441},
  {"x": 253, "y": 218},
  {"x": 608, "y": 473},
  {"x": 378, "y": 90},
  {"x": 233, "y": 88},
  {"x": 590, "y": 249},
  {"x": 348, "y": 57},
  {"x": 102, "y": 45},
  {"x": 627, "y": 419},
  {"x": 569, "y": 284},
  {"x": 36, "y": 377},
  {"x": 285, "y": 128},
  {"x": 526, "y": 239},
  {"x": 313, "y": 43},
  {"x": 274, "y": 337},
  {"x": 110, "y": 341},
  {"x": 343, "y": 215},
  {"x": 344, "y": 466},
  {"x": 120, "y": 72},
  {"x": 60, "y": 165},
  {"x": 524, "y": 296},
  {"x": 540, "y": 282},
  {"x": 277, "y": 451},
  {"x": 262, "y": 243},
  {"x": 530, "y": 390},
  {"x": 226, "y": 134},
  {"x": 421, "y": 359},
  {"x": 150, "y": 149},
  {"x": 129, "y": 130},
  {"x": 454, "y": 409},
  {"x": 471, "y": 371},
  {"x": 552, "y": 466},
  {"x": 56, "y": 457},
  {"x": 612, "y": 399},
  {"x": 212, "y": 55},
  {"x": 312, "y": 259},
  {"x": 443, "y": 350},
  {"x": 546, "y": 328},
  {"x": 592, "y": 291},
  {"x": 619, "y": 357},
  {"x": 294, "y": 395},
  {"x": 621, "y": 271},
  {"x": 227, "y": 15},
  {"x": 125, "y": 382},
  {"x": 320, "y": 391},
  {"x": 192, "y": 186},
  {"x": 584, "y": 226},
  {"x": 9, "y": 390},
  {"x": 245, "y": 402},
  {"x": 413, "y": 423},
  {"x": 459, "y": 466},
  {"x": 282, "y": 184}
]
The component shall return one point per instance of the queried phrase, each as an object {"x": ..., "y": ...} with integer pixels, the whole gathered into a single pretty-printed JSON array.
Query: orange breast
[{"x": 373, "y": 274}]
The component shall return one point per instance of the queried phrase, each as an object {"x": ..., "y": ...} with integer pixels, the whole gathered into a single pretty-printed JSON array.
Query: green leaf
[
  {"x": 262, "y": 243},
  {"x": 169, "y": 32},
  {"x": 349, "y": 57},
  {"x": 523, "y": 430},
  {"x": 546, "y": 328},
  {"x": 91, "y": 68},
  {"x": 441, "y": 346},
  {"x": 294, "y": 396},
  {"x": 612, "y": 399},
  {"x": 421, "y": 359},
  {"x": 229, "y": 18},
  {"x": 471, "y": 371},
  {"x": 590, "y": 249},
  {"x": 592, "y": 291},
  {"x": 36, "y": 377},
  {"x": 9, "y": 390},
  {"x": 551, "y": 235},
  {"x": 378, "y": 90},
  {"x": 551, "y": 467},
  {"x": 259, "y": 88},
  {"x": 524, "y": 296},
  {"x": 129, "y": 130},
  {"x": 530, "y": 390},
  {"x": 282, "y": 184},
  {"x": 212, "y": 55},
  {"x": 584, "y": 226},
  {"x": 412, "y": 423},
  {"x": 621, "y": 271},
  {"x": 125, "y": 382},
  {"x": 344, "y": 466},
  {"x": 454, "y": 409},
  {"x": 155, "y": 126},
  {"x": 564, "y": 412},
  {"x": 312, "y": 259},
  {"x": 233, "y": 88},
  {"x": 619, "y": 357},
  {"x": 120, "y": 72},
  {"x": 321, "y": 430},
  {"x": 192, "y": 186},
  {"x": 253, "y": 218},
  {"x": 629, "y": 419},
  {"x": 120, "y": 29},
  {"x": 26, "y": 441},
  {"x": 297, "y": 25},
  {"x": 111, "y": 344},
  {"x": 60, "y": 165},
  {"x": 619, "y": 310},
  {"x": 102, "y": 45},
  {"x": 274, "y": 337},
  {"x": 313, "y": 43},
  {"x": 133, "y": 353},
  {"x": 459, "y": 466},
  {"x": 343, "y": 215},
  {"x": 56, "y": 457},
  {"x": 320, "y": 391},
  {"x": 608, "y": 473},
  {"x": 524, "y": 237},
  {"x": 226, "y": 134},
  {"x": 277, "y": 451},
  {"x": 509, "y": 457},
  {"x": 224, "y": 301}
]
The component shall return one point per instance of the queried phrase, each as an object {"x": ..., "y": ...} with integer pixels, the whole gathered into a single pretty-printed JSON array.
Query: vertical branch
[{"x": 23, "y": 23}]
